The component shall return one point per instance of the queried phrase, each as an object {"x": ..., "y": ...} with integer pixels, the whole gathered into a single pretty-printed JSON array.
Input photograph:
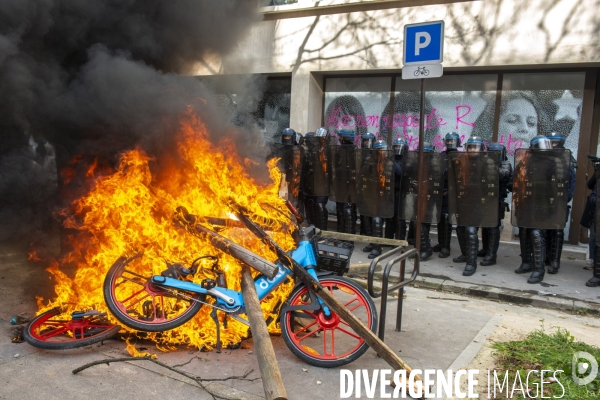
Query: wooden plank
[
  {"x": 360, "y": 238},
  {"x": 269, "y": 368}
]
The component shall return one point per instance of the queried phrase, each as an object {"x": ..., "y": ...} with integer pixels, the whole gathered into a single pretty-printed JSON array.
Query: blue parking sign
[{"x": 424, "y": 42}]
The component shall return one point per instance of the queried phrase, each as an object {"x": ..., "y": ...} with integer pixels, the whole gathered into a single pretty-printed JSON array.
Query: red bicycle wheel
[
  {"x": 49, "y": 332},
  {"x": 141, "y": 305},
  {"x": 328, "y": 341}
]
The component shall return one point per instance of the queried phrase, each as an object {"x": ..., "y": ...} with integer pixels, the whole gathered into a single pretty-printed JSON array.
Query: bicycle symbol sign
[{"x": 421, "y": 71}]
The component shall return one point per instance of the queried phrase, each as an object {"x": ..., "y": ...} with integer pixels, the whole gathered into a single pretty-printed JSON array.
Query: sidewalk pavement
[
  {"x": 435, "y": 334},
  {"x": 565, "y": 290}
]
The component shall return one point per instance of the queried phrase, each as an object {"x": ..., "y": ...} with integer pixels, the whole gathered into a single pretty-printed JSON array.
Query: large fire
[{"x": 129, "y": 211}]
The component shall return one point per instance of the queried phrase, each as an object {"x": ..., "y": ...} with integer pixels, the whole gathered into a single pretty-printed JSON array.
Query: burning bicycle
[{"x": 313, "y": 332}]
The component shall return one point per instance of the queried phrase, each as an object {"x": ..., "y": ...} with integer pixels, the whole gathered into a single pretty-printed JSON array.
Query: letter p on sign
[
  {"x": 422, "y": 40},
  {"x": 424, "y": 43}
]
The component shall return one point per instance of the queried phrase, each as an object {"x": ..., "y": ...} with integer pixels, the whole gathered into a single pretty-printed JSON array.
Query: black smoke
[{"x": 93, "y": 78}]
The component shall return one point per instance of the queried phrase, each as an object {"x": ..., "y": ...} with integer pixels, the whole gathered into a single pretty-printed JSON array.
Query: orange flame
[{"x": 129, "y": 211}]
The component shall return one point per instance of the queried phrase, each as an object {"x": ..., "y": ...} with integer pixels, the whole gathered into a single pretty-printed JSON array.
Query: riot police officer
[
  {"x": 375, "y": 190},
  {"x": 315, "y": 179},
  {"x": 345, "y": 205},
  {"x": 491, "y": 236},
  {"x": 532, "y": 240},
  {"x": 425, "y": 249},
  {"x": 444, "y": 227},
  {"x": 393, "y": 226},
  {"x": 555, "y": 237},
  {"x": 469, "y": 233}
]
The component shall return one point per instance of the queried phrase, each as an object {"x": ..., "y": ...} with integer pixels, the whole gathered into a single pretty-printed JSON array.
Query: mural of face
[{"x": 519, "y": 120}]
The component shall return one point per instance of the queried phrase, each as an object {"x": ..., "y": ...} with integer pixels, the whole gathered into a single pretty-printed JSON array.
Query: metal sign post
[{"x": 423, "y": 56}]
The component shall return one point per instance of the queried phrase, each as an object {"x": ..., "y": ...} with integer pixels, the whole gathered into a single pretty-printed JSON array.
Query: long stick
[
  {"x": 269, "y": 369},
  {"x": 359, "y": 238},
  {"x": 365, "y": 333}
]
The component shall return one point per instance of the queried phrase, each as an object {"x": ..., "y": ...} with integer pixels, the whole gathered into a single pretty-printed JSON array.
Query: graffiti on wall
[{"x": 523, "y": 115}]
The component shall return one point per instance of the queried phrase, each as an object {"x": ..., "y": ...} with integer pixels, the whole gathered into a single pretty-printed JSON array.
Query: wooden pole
[
  {"x": 356, "y": 324},
  {"x": 269, "y": 369},
  {"x": 359, "y": 238}
]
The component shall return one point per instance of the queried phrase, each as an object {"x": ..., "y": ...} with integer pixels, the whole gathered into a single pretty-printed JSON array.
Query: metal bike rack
[{"x": 385, "y": 282}]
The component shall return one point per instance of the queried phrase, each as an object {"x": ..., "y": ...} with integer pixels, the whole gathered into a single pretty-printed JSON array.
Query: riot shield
[
  {"x": 540, "y": 190},
  {"x": 343, "y": 173},
  {"x": 290, "y": 165},
  {"x": 315, "y": 178},
  {"x": 375, "y": 182},
  {"x": 473, "y": 188},
  {"x": 434, "y": 165}
]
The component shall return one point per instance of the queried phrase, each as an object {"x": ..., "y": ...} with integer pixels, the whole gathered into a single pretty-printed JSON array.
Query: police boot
[
  {"x": 368, "y": 229},
  {"x": 446, "y": 237},
  {"x": 538, "y": 256},
  {"x": 349, "y": 217},
  {"x": 365, "y": 226},
  {"x": 438, "y": 246},
  {"x": 484, "y": 241},
  {"x": 440, "y": 230},
  {"x": 490, "y": 256},
  {"x": 548, "y": 236},
  {"x": 400, "y": 229},
  {"x": 377, "y": 232},
  {"x": 472, "y": 242},
  {"x": 555, "y": 250},
  {"x": 390, "y": 227},
  {"x": 525, "y": 242},
  {"x": 460, "y": 234},
  {"x": 341, "y": 222},
  {"x": 321, "y": 216},
  {"x": 426, "y": 251},
  {"x": 595, "y": 280},
  {"x": 410, "y": 238}
]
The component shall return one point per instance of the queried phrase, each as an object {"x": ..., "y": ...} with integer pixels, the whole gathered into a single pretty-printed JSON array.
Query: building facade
[{"x": 512, "y": 69}]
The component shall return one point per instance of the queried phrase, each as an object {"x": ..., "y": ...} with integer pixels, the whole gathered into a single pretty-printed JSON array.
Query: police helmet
[
  {"x": 321, "y": 132},
  {"x": 500, "y": 148},
  {"x": 299, "y": 138},
  {"x": 367, "y": 140},
  {"x": 399, "y": 145},
  {"x": 288, "y": 136},
  {"x": 427, "y": 147},
  {"x": 557, "y": 140},
  {"x": 380, "y": 145},
  {"x": 452, "y": 141},
  {"x": 540, "y": 142},
  {"x": 346, "y": 136},
  {"x": 475, "y": 143}
]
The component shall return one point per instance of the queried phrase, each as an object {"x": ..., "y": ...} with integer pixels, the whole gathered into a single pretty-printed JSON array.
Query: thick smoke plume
[{"x": 93, "y": 78}]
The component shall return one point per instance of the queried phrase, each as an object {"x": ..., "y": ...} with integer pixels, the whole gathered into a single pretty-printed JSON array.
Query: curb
[{"x": 491, "y": 292}]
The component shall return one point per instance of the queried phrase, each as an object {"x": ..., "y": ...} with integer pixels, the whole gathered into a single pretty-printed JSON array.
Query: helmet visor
[
  {"x": 451, "y": 143},
  {"x": 399, "y": 149},
  {"x": 473, "y": 147}
]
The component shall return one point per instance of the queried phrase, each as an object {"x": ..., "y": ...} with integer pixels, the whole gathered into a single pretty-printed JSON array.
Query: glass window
[
  {"x": 356, "y": 103},
  {"x": 453, "y": 103},
  {"x": 540, "y": 103}
]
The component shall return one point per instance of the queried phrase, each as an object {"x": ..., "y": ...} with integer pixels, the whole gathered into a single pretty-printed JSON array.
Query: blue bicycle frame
[{"x": 230, "y": 300}]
